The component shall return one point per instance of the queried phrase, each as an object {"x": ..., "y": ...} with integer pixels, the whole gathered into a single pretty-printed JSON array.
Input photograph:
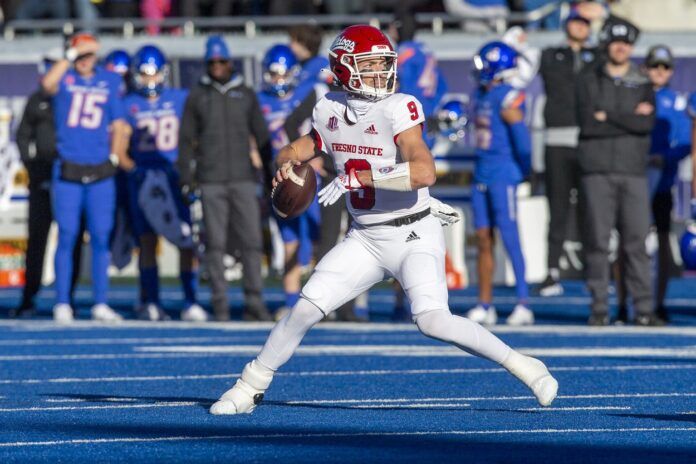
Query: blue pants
[
  {"x": 496, "y": 206},
  {"x": 304, "y": 229},
  {"x": 97, "y": 201}
]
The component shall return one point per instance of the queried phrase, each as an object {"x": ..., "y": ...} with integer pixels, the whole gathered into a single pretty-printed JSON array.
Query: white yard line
[
  {"x": 177, "y": 378},
  {"x": 202, "y": 351},
  {"x": 171, "y": 404},
  {"x": 425, "y": 350},
  {"x": 579, "y": 408},
  {"x": 493, "y": 398},
  {"x": 239, "y": 438}
]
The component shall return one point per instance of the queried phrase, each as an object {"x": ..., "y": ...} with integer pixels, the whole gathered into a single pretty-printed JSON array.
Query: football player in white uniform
[{"x": 375, "y": 138}]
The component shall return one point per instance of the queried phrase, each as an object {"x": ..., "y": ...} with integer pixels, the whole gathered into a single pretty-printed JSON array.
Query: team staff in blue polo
[{"x": 91, "y": 137}]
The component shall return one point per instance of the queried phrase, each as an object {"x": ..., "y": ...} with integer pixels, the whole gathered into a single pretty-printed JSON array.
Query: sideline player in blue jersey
[
  {"x": 503, "y": 158},
  {"x": 122, "y": 242},
  {"x": 419, "y": 74},
  {"x": 692, "y": 114},
  {"x": 154, "y": 113},
  {"x": 278, "y": 97},
  {"x": 670, "y": 144},
  {"x": 305, "y": 40},
  {"x": 91, "y": 139}
]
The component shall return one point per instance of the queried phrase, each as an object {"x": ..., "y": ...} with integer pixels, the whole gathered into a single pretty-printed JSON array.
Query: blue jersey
[
  {"x": 496, "y": 162},
  {"x": 276, "y": 110},
  {"x": 310, "y": 73},
  {"x": 155, "y": 123},
  {"x": 419, "y": 75},
  {"x": 671, "y": 134},
  {"x": 83, "y": 109}
]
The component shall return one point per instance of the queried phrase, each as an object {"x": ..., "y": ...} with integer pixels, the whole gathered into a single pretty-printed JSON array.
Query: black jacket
[
  {"x": 619, "y": 145},
  {"x": 214, "y": 143},
  {"x": 37, "y": 127},
  {"x": 559, "y": 68}
]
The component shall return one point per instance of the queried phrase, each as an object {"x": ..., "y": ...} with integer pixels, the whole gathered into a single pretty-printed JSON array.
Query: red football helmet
[{"x": 352, "y": 57}]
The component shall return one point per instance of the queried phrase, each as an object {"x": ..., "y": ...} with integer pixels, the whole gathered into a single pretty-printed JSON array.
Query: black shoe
[
  {"x": 622, "y": 316},
  {"x": 598, "y": 320},
  {"x": 650, "y": 320},
  {"x": 550, "y": 287},
  {"x": 22, "y": 311},
  {"x": 256, "y": 312},
  {"x": 661, "y": 312}
]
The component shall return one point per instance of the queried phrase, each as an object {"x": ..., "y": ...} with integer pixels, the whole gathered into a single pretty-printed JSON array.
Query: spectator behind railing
[{"x": 487, "y": 12}]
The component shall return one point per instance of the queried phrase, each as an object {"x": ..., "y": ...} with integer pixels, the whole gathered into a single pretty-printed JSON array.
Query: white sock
[
  {"x": 288, "y": 333},
  {"x": 467, "y": 335}
]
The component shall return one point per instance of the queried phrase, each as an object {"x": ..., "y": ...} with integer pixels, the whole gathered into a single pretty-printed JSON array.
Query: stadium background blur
[{"x": 251, "y": 27}]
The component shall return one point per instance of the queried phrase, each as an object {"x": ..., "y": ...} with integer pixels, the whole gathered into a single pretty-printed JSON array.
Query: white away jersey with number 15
[{"x": 370, "y": 143}]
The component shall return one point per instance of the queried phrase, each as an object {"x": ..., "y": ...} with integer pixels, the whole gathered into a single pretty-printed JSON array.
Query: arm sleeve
[
  {"x": 519, "y": 133},
  {"x": 300, "y": 114},
  {"x": 259, "y": 129},
  {"x": 587, "y": 106},
  {"x": 26, "y": 130},
  {"x": 635, "y": 123},
  {"x": 116, "y": 108},
  {"x": 188, "y": 134}
]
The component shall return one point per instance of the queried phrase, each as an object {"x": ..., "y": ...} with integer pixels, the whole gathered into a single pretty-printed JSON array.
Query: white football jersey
[{"x": 370, "y": 143}]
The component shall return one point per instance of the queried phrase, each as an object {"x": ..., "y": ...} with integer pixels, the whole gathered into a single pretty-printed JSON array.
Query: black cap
[
  {"x": 619, "y": 31},
  {"x": 659, "y": 54}
]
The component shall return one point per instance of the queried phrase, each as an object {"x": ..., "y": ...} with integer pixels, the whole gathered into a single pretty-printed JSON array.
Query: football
[{"x": 293, "y": 196}]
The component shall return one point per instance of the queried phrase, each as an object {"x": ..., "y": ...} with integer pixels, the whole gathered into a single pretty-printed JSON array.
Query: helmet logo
[
  {"x": 493, "y": 55},
  {"x": 343, "y": 43}
]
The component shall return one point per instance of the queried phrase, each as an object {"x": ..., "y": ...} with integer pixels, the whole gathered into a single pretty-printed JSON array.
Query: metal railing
[{"x": 250, "y": 26}]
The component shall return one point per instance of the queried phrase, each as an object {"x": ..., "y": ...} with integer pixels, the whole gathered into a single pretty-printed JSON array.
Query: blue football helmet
[
  {"x": 280, "y": 70},
  {"x": 452, "y": 119},
  {"x": 149, "y": 61},
  {"x": 687, "y": 246},
  {"x": 495, "y": 60},
  {"x": 118, "y": 61}
]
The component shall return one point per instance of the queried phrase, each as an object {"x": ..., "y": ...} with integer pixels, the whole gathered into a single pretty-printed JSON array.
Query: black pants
[
  {"x": 40, "y": 218},
  {"x": 562, "y": 177},
  {"x": 233, "y": 204},
  {"x": 621, "y": 201}
]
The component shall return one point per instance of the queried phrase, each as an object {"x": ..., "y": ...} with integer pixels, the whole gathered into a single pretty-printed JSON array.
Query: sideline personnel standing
[
  {"x": 559, "y": 70},
  {"x": 220, "y": 116},
  {"x": 616, "y": 108}
]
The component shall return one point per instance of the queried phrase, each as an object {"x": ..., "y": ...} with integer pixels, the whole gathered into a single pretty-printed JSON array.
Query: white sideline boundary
[
  {"x": 95, "y": 441},
  {"x": 341, "y": 327},
  {"x": 378, "y": 372}
]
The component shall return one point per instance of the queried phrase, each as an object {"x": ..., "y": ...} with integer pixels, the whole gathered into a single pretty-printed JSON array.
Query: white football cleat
[
  {"x": 482, "y": 315},
  {"x": 247, "y": 393},
  {"x": 151, "y": 312},
  {"x": 534, "y": 374},
  {"x": 102, "y": 312},
  {"x": 194, "y": 313},
  {"x": 63, "y": 313},
  {"x": 521, "y": 315}
]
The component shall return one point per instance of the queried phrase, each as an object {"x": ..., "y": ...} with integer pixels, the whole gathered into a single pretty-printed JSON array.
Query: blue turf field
[{"x": 353, "y": 393}]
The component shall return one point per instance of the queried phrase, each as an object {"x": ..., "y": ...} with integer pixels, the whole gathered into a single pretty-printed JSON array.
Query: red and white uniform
[
  {"x": 372, "y": 251},
  {"x": 370, "y": 143}
]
